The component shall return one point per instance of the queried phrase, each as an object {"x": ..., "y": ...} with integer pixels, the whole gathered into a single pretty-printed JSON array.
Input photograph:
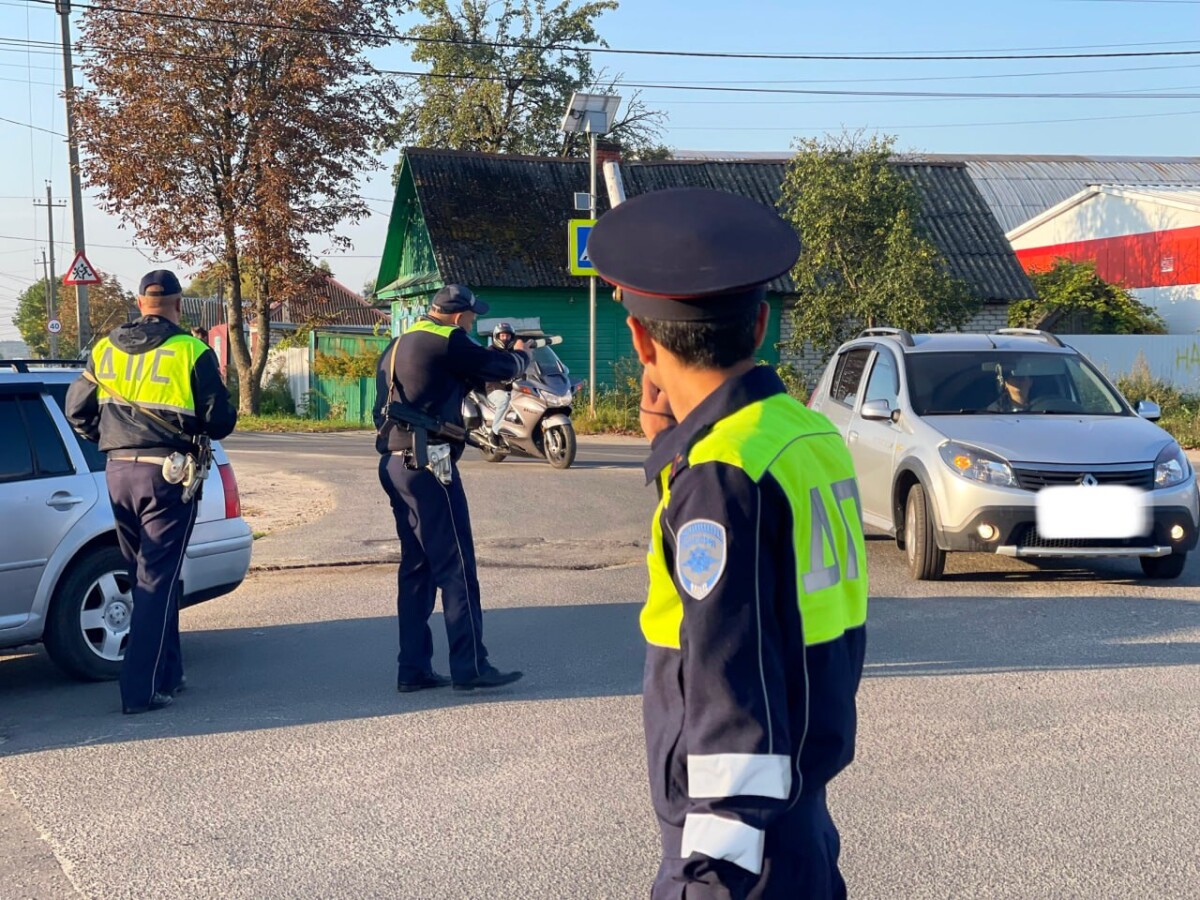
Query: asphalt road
[{"x": 1026, "y": 731}]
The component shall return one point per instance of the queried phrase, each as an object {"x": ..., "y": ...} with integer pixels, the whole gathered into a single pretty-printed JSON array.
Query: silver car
[
  {"x": 62, "y": 578},
  {"x": 955, "y": 437}
]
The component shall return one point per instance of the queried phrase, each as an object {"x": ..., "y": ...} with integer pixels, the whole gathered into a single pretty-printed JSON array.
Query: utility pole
[
  {"x": 63, "y": 7},
  {"x": 49, "y": 306},
  {"x": 52, "y": 277}
]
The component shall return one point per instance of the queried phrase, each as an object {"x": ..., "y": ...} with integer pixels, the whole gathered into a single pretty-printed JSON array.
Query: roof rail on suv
[
  {"x": 22, "y": 366},
  {"x": 1031, "y": 332},
  {"x": 905, "y": 338}
]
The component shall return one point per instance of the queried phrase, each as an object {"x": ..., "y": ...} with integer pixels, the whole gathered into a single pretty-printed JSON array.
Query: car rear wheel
[
  {"x": 88, "y": 625},
  {"x": 926, "y": 560},
  {"x": 1163, "y": 566}
]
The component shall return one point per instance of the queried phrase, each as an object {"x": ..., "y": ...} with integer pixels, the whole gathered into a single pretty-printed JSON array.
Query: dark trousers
[
  {"x": 153, "y": 527},
  {"x": 436, "y": 551}
]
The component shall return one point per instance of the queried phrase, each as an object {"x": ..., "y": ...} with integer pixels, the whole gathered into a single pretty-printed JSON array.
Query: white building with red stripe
[{"x": 1144, "y": 237}]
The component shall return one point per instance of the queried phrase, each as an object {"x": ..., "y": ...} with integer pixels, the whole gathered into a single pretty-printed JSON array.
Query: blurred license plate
[{"x": 1099, "y": 511}]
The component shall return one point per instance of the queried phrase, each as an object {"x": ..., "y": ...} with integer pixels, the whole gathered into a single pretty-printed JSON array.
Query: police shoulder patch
[{"x": 700, "y": 556}]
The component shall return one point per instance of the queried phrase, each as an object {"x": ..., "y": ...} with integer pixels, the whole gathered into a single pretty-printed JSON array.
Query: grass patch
[{"x": 278, "y": 424}]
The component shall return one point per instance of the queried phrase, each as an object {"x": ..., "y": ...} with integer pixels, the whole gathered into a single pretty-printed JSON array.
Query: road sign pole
[
  {"x": 592, "y": 282},
  {"x": 51, "y": 284},
  {"x": 52, "y": 281}
]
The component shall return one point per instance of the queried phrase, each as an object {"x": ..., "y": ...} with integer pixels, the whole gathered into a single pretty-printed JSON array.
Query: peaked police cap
[{"x": 691, "y": 254}]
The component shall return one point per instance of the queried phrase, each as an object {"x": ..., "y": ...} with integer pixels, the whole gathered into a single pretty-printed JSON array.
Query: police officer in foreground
[
  {"x": 755, "y": 620},
  {"x": 428, "y": 370},
  {"x": 152, "y": 397}
]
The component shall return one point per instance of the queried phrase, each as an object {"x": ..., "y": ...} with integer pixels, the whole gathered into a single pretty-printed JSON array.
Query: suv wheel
[
  {"x": 1163, "y": 566},
  {"x": 88, "y": 625},
  {"x": 926, "y": 560}
]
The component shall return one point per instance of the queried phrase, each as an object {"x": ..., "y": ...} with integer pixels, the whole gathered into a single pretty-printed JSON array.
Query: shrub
[
  {"x": 1140, "y": 384},
  {"x": 276, "y": 399},
  {"x": 1180, "y": 411},
  {"x": 345, "y": 365},
  {"x": 794, "y": 382}
]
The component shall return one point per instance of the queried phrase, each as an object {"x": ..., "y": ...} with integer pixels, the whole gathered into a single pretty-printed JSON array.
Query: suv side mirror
[
  {"x": 1148, "y": 409},
  {"x": 879, "y": 411}
]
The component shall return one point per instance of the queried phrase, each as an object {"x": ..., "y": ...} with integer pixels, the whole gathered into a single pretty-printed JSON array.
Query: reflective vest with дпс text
[{"x": 159, "y": 379}]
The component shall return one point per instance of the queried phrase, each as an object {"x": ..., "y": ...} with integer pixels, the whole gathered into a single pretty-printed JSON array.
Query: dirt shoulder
[{"x": 274, "y": 501}]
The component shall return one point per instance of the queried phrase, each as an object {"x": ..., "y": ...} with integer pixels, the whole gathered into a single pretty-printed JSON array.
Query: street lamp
[{"x": 591, "y": 114}]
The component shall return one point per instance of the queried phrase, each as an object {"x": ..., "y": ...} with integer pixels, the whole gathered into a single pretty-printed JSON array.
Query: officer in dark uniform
[
  {"x": 175, "y": 382},
  {"x": 430, "y": 368},
  {"x": 755, "y": 620}
]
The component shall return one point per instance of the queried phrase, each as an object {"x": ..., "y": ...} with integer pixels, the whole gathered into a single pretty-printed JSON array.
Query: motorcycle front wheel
[{"x": 560, "y": 446}]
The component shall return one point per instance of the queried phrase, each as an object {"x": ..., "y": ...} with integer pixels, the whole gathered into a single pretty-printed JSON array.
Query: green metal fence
[{"x": 338, "y": 397}]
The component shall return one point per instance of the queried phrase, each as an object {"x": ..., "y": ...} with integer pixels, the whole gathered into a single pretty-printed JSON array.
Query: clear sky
[{"x": 31, "y": 76}]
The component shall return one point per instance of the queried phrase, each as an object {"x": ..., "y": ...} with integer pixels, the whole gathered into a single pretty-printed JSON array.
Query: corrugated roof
[
  {"x": 501, "y": 221},
  {"x": 1175, "y": 194},
  {"x": 328, "y": 303},
  {"x": 205, "y": 312},
  {"x": 1019, "y": 188}
]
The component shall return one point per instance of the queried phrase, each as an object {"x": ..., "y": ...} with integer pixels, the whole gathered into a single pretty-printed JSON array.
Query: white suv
[
  {"x": 945, "y": 464},
  {"x": 62, "y": 578}
]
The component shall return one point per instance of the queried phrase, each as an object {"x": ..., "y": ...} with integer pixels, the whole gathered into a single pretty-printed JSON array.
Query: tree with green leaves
[
  {"x": 864, "y": 261},
  {"x": 109, "y": 305},
  {"x": 1073, "y": 298},
  {"x": 500, "y": 76}
]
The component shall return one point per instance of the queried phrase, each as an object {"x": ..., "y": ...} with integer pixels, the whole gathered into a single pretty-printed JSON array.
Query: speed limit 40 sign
[{"x": 54, "y": 326}]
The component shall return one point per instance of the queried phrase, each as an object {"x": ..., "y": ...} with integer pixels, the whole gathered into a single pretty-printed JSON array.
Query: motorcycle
[{"x": 537, "y": 423}]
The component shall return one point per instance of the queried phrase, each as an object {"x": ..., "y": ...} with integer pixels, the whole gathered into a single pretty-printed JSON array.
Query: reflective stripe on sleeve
[
  {"x": 719, "y": 838},
  {"x": 739, "y": 775}
]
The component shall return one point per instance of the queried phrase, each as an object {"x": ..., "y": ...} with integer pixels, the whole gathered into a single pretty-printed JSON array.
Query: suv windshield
[{"x": 1002, "y": 382}]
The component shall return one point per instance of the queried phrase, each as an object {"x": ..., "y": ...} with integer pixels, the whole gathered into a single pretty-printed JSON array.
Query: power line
[
  {"x": 1180, "y": 2},
  {"x": 13, "y": 237},
  {"x": 574, "y": 48},
  {"x": 960, "y": 95},
  {"x": 1186, "y": 112},
  {"x": 1014, "y": 95},
  {"x": 34, "y": 127},
  {"x": 894, "y": 79}
]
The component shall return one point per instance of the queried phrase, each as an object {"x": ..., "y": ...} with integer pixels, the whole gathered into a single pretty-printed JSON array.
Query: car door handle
[
  {"x": 63, "y": 501},
  {"x": 853, "y": 436}
]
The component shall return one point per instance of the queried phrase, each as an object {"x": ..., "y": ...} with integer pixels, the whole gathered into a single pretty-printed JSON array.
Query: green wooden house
[{"x": 498, "y": 224}]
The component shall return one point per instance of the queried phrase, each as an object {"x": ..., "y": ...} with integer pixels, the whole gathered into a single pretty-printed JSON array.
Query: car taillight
[{"x": 233, "y": 500}]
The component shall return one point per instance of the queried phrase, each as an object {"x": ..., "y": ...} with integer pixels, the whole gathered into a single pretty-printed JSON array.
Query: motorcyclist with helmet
[{"x": 499, "y": 393}]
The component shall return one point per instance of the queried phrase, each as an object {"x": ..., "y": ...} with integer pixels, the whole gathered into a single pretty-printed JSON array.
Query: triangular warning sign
[{"x": 81, "y": 271}]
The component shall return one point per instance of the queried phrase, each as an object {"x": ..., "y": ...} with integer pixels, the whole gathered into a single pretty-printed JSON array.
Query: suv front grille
[{"x": 1036, "y": 479}]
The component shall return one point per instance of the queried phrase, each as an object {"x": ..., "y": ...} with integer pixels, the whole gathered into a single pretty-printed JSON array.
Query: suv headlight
[
  {"x": 1171, "y": 467},
  {"x": 976, "y": 465}
]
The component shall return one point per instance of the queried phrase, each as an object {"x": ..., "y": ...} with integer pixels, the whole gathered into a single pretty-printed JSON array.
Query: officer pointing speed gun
[
  {"x": 755, "y": 622},
  {"x": 421, "y": 380},
  {"x": 152, "y": 397}
]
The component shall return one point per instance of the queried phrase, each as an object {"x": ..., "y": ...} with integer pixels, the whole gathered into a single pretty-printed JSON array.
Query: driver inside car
[{"x": 1014, "y": 397}]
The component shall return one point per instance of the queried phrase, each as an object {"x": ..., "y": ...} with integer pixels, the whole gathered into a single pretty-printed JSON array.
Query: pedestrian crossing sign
[
  {"x": 577, "y": 236},
  {"x": 81, "y": 271}
]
